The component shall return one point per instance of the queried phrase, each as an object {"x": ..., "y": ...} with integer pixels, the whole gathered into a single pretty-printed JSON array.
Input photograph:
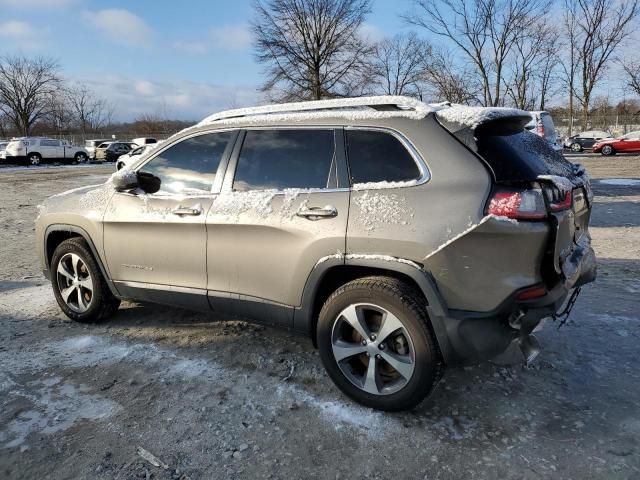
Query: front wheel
[
  {"x": 80, "y": 158},
  {"x": 78, "y": 285},
  {"x": 376, "y": 344},
  {"x": 608, "y": 150},
  {"x": 576, "y": 147}
]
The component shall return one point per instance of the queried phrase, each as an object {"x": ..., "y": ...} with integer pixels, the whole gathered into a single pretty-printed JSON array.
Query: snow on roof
[
  {"x": 387, "y": 106},
  {"x": 474, "y": 116}
]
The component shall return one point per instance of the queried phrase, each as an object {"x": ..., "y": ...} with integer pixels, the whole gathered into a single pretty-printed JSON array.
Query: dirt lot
[{"x": 217, "y": 398}]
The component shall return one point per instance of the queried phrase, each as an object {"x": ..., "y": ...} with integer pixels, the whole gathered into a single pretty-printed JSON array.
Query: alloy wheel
[
  {"x": 74, "y": 282},
  {"x": 373, "y": 349},
  {"x": 576, "y": 147},
  {"x": 34, "y": 160}
]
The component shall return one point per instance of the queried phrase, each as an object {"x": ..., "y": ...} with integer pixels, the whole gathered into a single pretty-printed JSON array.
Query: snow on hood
[{"x": 474, "y": 116}]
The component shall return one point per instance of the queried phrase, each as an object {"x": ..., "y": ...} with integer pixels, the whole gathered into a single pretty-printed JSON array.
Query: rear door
[
  {"x": 50, "y": 148},
  {"x": 284, "y": 206},
  {"x": 155, "y": 244}
]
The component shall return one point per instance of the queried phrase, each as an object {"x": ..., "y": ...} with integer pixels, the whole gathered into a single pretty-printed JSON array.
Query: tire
[
  {"x": 576, "y": 147},
  {"x": 608, "y": 150},
  {"x": 80, "y": 158},
  {"x": 34, "y": 159},
  {"x": 411, "y": 340},
  {"x": 89, "y": 299}
]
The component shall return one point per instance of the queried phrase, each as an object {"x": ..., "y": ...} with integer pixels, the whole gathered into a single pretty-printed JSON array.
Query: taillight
[
  {"x": 517, "y": 204},
  {"x": 540, "y": 129},
  {"x": 558, "y": 199}
]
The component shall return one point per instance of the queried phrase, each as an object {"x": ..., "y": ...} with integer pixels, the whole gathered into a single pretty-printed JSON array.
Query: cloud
[
  {"x": 21, "y": 35},
  {"x": 226, "y": 37},
  {"x": 371, "y": 33},
  {"x": 120, "y": 26},
  {"x": 30, "y": 4},
  {"x": 180, "y": 99}
]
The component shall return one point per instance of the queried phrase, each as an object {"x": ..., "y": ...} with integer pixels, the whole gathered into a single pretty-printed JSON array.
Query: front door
[
  {"x": 155, "y": 244},
  {"x": 285, "y": 208}
]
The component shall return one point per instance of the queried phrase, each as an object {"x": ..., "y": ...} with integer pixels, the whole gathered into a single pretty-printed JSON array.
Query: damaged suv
[{"x": 401, "y": 237}]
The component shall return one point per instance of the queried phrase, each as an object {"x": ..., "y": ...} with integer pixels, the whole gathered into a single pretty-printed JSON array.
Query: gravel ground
[{"x": 218, "y": 398}]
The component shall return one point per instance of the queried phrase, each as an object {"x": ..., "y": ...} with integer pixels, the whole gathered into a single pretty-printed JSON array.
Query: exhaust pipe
[{"x": 530, "y": 348}]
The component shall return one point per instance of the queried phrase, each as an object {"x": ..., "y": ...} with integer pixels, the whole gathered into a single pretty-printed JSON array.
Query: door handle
[
  {"x": 193, "y": 211},
  {"x": 314, "y": 212}
]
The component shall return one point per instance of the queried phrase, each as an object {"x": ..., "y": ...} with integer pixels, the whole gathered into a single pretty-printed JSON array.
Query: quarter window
[
  {"x": 376, "y": 156},
  {"x": 189, "y": 167},
  {"x": 280, "y": 159}
]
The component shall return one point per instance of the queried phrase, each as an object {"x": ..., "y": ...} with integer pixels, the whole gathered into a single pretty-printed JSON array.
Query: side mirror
[
  {"x": 148, "y": 182},
  {"x": 126, "y": 179}
]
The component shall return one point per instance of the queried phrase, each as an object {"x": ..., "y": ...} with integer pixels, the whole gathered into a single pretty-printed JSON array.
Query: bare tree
[
  {"x": 309, "y": 47},
  {"x": 26, "y": 88},
  {"x": 449, "y": 82},
  {"x": 484, "y": 32},
  {"x": 534, "y": 60},
  {"x": 91, "y": 112},
  {"x": 633, "y": 76},
  {"x": 595, "y": 28},
  {"x": 397, "y": 65}
]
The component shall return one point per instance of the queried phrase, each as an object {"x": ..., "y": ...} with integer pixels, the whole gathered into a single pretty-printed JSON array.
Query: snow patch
[
  {"x": 384, "y": 258},
  {"x": 621, "y": 182},
  {"x": 383, "y": 185},
  {"x": 475, "y": 116},
  {"x": 378, "y": 208},
  {"x": 350, "y": 107},
  {"x": 562, "y": 183}
]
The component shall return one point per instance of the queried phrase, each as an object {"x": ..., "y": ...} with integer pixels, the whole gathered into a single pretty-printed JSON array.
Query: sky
[{"x": 182, "y": 59}]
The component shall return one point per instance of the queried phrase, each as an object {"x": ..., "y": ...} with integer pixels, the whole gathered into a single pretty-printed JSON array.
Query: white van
[
  {"x": 142, "y": 141},
  {"x": 35, "y": 150}
]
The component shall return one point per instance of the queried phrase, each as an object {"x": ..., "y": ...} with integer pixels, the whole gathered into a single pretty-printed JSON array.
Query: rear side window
[
  {"x": 281, "y": 159},
  {"x": 549, "y": 127},
  {"x": 376, "y": 156},
  {"x": 189, "y": 167}
]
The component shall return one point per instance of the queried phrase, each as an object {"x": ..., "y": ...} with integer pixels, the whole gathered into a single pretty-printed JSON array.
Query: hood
[{"x": 90, "y": 200}]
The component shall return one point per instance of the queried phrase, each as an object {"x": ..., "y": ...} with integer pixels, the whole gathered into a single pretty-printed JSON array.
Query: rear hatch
[{"x": 522, "y": 161}]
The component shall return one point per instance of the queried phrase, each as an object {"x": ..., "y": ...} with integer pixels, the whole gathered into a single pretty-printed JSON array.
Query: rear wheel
[
  {"x": 34, "y": 159},
  {"x": 376, "y": 344},
  {"x": 79, "y": 287},
  {"x": 608, "y": 150}
]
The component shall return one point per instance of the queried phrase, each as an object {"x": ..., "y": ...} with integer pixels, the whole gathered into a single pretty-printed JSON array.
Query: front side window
[
  {"x": 376, "y": 156},
  {"x": 189, "y": 167},
  {"x": 50, "y": 143},
  {"x": 281, "y": 159}
]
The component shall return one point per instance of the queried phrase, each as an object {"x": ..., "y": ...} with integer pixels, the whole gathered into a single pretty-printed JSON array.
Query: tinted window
[
  {"x": 279, "y": 159},
  {"x": 379, "y": 157},
  {"x": 50, "y": 143},
  {"x": 190, "y": 166}
]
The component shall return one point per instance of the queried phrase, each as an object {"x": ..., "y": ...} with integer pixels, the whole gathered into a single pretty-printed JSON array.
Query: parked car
[
  {"x": 91, "y": 145},
  {"x": 542, "y": 125},
  {"x": 144, "y": 141},
  {"x": 629, "y": 143},
  {"x": 585, "y": 140},
  {"x": 133, "y": 156},
  {"x": 460, "y": 239},
  {"x": 35, "y": 150},
  {"x": 111, "y": 151}
]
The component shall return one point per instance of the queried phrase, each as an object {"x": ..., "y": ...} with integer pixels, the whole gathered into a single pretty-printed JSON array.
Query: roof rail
[{"x": 378, "y": 103}]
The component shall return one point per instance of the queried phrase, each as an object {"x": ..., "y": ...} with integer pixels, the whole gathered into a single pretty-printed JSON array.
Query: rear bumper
[{"x": 475, "y": 337}]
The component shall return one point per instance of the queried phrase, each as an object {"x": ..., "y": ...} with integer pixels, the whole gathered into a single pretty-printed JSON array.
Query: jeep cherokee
[{"x": 400, "y": 237}]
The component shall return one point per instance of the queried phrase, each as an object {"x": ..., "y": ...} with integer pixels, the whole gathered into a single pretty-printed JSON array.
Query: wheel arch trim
[
  {"x": 59, "y": 227},
  {"x": 437, "y": 310}
]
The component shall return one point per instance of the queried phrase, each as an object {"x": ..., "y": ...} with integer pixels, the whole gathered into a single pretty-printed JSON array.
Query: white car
[
  {"x": 128, "y": 159},
  {"x": 3, "y": 150},
  {"x": 542, "y": 125},
  {"x": 91, "y": 145},
  {"x": 35, "y": 150}
]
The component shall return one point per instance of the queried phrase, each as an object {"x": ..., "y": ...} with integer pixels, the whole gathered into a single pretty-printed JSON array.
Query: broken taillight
[
  {"x": 532, "y": 292},
  {"x": 558, "y": 199},
  {"x": 517, "y": 204},
  {"x": 540, "y": 129}
]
